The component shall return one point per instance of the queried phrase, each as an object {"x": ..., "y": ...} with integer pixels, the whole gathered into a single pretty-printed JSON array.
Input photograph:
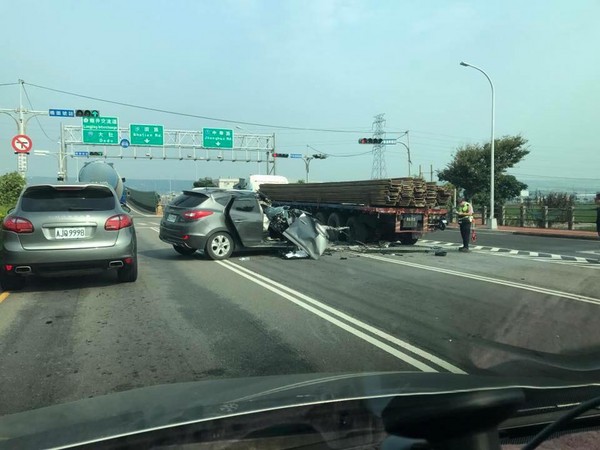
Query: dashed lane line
[{"x": 526, "y": 253}]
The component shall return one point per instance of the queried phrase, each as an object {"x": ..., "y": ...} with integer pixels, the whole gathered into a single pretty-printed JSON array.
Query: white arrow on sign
[
  {"x": 217, "y": 144},
  {"x": 146, "y": 140}
]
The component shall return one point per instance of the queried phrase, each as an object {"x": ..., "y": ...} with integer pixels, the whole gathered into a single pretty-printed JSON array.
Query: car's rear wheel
[
  {"x": 184, "y": 250},
  {"x": 219, "y": 246},
  {"x": 11, "y": 282},
  {"x": 129, "y": 272}
]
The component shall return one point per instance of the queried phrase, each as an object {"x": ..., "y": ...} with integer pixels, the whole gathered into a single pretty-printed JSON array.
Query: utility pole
[
  {"x": 408, "y": 148},
  {"x": 18, "y": 116},
  {"x": 431, "y": 173},
  {"x": 378, "y": 170}
]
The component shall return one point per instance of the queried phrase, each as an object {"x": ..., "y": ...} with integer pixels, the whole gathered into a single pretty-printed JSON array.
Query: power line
[
  {"x": 348, "y": 156},
  {"x": 195, "y": 116},
  {"x": 36, "y": 117},
  {"x": 8, "y": 84}
]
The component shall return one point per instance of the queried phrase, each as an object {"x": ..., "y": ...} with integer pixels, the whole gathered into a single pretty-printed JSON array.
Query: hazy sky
[{"x": 317, "y": 64}]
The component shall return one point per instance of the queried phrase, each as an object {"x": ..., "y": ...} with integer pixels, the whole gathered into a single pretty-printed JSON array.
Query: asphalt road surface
[{"x": 189, "y": 319}]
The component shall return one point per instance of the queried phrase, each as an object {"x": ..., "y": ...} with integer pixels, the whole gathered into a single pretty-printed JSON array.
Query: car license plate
[
  {"x": 69, "y": 233},
  {"x": 171, "y": 218}
]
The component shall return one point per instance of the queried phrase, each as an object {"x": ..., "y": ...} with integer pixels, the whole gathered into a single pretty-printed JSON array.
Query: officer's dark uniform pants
[{"x": 465, "y": 232}]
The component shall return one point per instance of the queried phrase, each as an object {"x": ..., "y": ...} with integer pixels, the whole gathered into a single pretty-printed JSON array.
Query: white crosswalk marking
[{"x": 535, "y": 256}]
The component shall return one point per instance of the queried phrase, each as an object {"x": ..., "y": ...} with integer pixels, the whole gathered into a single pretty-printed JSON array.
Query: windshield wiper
[{"x": 80, "y": 209}]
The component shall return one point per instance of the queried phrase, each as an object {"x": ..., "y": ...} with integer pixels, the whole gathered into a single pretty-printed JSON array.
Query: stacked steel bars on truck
[{"x": 404, "y": 192}]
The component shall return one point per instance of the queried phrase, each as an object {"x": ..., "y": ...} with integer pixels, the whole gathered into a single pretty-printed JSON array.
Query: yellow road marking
[{"x": 3, "y": 296}]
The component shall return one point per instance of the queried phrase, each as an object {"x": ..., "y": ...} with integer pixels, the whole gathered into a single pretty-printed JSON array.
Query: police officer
[{"x": 465, "y": 218}]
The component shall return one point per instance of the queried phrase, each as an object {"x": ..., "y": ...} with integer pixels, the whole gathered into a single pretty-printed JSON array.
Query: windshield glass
[
  {"x": 421, "y": 194},
  {"x": 42, "y": 199},
  {"x": 189, "y": 200}
]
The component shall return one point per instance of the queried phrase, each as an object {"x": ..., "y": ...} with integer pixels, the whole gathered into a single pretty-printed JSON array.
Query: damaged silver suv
[{"x": 219, "y": 221}]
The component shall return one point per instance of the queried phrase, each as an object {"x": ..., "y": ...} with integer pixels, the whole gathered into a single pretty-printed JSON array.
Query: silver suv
[
  {"x": 217, "y": 221},
  {"x": 67, "y": 229}
]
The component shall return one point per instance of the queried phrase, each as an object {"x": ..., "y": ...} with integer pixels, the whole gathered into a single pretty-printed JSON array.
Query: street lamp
[
  {"x": 61, "y": 176},
  {"x": 408, "y": 150},
  {"x": 493, "y": 225}
]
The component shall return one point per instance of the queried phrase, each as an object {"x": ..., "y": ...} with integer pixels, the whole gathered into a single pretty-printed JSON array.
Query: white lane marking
[
  {"x": 590, "y": 252},
  {"x": 155, "y": 229},
  {"x": 295, "y": 297},
  {"x": 585, "y": 264},
  {"x": 140, "y": 213},
  {"x": 527, "y": 287},
  {"x": 525, "y": 253}
]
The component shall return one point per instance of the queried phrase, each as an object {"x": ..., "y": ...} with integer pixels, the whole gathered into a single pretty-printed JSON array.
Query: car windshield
[
  {"x": 199, "y": 191},
  {"x": 45, "y": 199}
]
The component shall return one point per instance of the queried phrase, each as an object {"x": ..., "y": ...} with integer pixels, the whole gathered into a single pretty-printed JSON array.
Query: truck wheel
[
  {"x": 336, "y": 220},
  {"x": 219, "y": 246},
  {"x": 407, "y": 239},
  {"x": 321, "y": 218},
  {"x": 184, "y": 250},
  {"x": 358, "y": 230}
]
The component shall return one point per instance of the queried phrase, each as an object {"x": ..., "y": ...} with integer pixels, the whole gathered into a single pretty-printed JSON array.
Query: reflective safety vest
[{"x": 466, "y": 208}]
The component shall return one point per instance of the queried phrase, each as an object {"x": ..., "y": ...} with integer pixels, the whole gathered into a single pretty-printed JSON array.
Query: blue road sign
[
  {"x": 82, "y": 153},
  {"x": 61, "y": 113},
  {"x": 124, "y": 143},
  {"x": 295, "y": 155}
]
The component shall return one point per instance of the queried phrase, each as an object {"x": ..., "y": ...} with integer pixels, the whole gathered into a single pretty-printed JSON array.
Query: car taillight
[
  {"x": 196, "y": 214},
  {"x": 17, "y": 224},
  {"x": 117, "y": 222}
]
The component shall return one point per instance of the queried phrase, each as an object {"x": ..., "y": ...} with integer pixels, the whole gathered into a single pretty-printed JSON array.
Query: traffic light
[
  {"x": 319, "y": 156},
  {"x": 96, "y": 153},
  {"x": 370, "y": 141},
  {"x": 281, "y": 155},
  {"x": 87, "y": 113}
]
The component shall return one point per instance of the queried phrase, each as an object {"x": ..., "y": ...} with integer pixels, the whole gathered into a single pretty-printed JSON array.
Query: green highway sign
[
  {"x": 100, "y": 130},
  {"x": 141, "y": 134},
  {"x": 217, "y": 138}
]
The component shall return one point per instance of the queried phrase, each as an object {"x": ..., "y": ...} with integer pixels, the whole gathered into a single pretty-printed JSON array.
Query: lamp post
[
  {"x": 307, "y": 159},
  {"x": 492, "y": 225},
  {"x": 61, "y": 159}
]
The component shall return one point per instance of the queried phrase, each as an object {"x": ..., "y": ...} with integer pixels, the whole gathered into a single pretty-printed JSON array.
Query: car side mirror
[{"x": 123, "y": 180}]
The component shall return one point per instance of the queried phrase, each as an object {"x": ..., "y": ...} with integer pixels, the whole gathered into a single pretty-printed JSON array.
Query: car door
[{"x": 247, "y": 218}]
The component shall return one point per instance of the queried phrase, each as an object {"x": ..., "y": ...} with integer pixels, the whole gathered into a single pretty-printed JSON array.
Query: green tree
[
  {"x": 470, "y": 170},
  {"x": 205, "y": 182},
  {"x": 11, "y": 185},
  {"x": 300, "y": 181}
]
